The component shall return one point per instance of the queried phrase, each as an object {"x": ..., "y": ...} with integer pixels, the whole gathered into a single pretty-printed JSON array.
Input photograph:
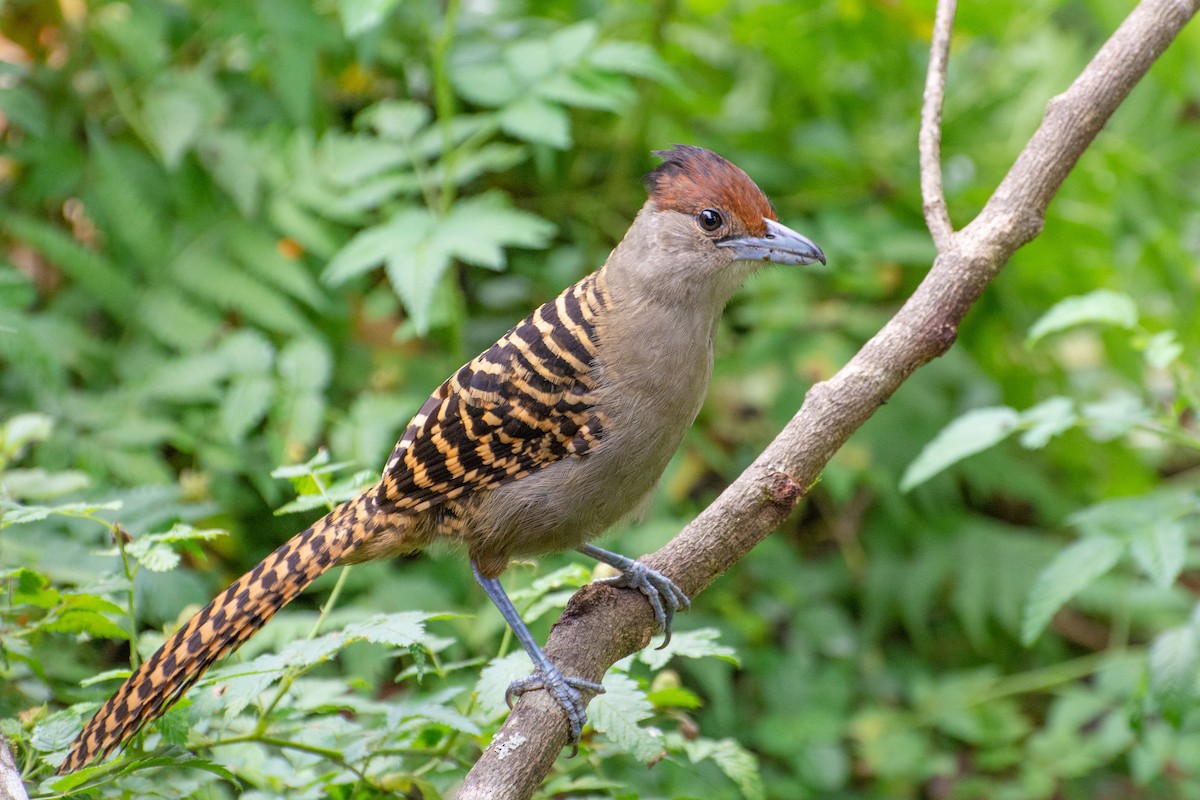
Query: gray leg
[
  {"x": 665, "y": 597},
  {"x": 545, "y": 675}
]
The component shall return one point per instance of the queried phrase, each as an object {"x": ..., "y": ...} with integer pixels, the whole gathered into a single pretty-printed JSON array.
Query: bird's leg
[
  {"x": 665, "y": 597},
  {"x": 545, "y": 675}
]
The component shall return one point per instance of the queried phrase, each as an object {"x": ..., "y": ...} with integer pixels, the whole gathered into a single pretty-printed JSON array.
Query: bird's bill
[{"x": 780, "y": 245}]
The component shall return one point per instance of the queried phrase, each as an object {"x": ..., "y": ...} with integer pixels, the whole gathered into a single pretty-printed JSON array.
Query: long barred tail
[{"x": 222, "y": 626}]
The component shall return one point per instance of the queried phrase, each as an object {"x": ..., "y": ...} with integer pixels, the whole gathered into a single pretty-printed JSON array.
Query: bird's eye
[{"x": 710, "y": 219}]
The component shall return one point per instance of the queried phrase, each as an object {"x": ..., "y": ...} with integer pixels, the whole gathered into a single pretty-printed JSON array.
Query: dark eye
[{"x": 710, "y": 219}]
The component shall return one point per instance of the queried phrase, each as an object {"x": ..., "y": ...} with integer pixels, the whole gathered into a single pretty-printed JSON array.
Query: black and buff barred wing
[{"x": 528, "y": 401}]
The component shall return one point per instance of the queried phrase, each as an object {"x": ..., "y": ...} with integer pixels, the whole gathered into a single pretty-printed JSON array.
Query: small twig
[{"x": 933, "y": 197}]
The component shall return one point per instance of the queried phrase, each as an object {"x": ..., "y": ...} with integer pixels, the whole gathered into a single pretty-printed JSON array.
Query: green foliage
[{"x": 237, "y": 236}]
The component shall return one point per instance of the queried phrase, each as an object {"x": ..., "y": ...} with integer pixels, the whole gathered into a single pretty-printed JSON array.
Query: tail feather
[{"x": 222, "y": 626}]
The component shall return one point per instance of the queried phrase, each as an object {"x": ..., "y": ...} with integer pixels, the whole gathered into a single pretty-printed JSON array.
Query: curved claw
[
  {"x": 665, "y": 597},
  {"x": 565, "y": 692}
]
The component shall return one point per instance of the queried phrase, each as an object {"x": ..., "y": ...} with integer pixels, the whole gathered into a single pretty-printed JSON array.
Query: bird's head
[{"x": 707, "y": 224}]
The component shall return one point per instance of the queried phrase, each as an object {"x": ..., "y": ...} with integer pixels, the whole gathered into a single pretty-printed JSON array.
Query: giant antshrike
[{"x": 555, "y": 432}]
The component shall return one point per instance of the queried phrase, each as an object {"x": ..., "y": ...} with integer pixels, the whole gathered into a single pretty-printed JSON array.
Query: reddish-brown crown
[{"x": 691, "y": 179}]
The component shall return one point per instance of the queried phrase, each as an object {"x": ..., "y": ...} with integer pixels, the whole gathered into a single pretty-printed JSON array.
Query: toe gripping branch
[
  {"x": 564, "y": 690},
  {"x": 665, "y": 598}
]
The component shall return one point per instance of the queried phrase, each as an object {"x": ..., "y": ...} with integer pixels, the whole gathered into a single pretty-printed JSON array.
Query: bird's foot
[
  {"x": 565, "y": 692},
  {"x": 665, "y": 597}
]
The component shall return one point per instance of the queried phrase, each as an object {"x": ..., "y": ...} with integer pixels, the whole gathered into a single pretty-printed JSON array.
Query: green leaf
[
  {"x": 700, "y": 643},
  {"x": 1046, "y": 420},
  {"x": 177, "y": 108},
  {"x": 1115, "y": 416},
  {"x": 971, "y": 433},
  {"x": 479, "y": 228},
  {"x": 15, "y": 514},
  {"x": 532, "y": 119},
  {"x": 22, "y": 430},
  {"x": 39, "y": 484},
  {"x": 395, "y": 119},
  {"x": 617, "y": 713},
  {"x": 1159, "y": 550},
  {"x": 1068, "y": 574},
  {"x": 245, "y": 405},
  {"x": 1174, "y": 659},
  {"x": 494, "y": 680},
  {"x": 56, "y": 733},
  {"x": 235, "y": 165},
  {"x": 370, "y": 247},
  {"x": 399, "y": 630},
  {"x": 1103, "y": 307},
  {"x": 89, "y": 622},
  {"x": 360, "y": 17},
  {"x": 1162, "y": 350},
  {"x": 631, "y": 58},
  {"x": 154, "y": 556},
  {"x": 738, "y": 764}
]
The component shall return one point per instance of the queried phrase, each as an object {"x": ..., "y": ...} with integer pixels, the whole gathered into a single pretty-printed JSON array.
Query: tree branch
[
  {"x": 602, "y": 625},
  {"x": 937, "y": 217}
]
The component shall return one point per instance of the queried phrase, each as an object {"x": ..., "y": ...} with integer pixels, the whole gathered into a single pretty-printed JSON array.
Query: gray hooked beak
[{"x": 780, "y": 245}]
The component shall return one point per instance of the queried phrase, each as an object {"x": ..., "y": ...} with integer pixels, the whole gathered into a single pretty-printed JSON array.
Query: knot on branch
[{"x": 783, "y": 491}]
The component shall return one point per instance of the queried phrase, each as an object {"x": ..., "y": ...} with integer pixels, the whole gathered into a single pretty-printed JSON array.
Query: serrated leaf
[
  {"x": 245, "y": 405},
  {"x": 532, "y": 119},
  {"x": 177, "y": 107},
  {"x": 1068, "y": 574},
  {"x": 478, "y": 229},
  {"x": 617, "y": 713},
  {"x": 414, "y": 273},
  {"x": 154, "y": 556},
  {"x": 1174, "y": 659},
  {"x": 305, "y": 365},
  {"x": 436, "y": 709},
  {"x": 56, "y": 733},
  {"x": 348, "y": 160},
  {"x": 1159, "y": 550},
  {"x": 699, "y": 643},
  {"x": 971, "y": 433},
  {"x": 88, "y": 622},
  {"x": 399, "y": 630},
  {"x": 742, "y": 768},
  {"x": 15, "y": 514},
  {"x": 1103, "y": 306},
  {"x": 494, "y": 680},
  {"x": 370, "y": 247},
  {"x": 1046, "y": 420},
  {"x": 234, "y": 164}
]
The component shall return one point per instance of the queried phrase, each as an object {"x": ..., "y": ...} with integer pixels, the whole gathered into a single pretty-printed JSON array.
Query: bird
[{"x": 556, "y": 432}]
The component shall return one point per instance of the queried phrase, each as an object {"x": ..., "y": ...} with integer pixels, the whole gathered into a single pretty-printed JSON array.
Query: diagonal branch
[
  {"x": 602, "y": 625},
  {"x": 933, "y": 198}
]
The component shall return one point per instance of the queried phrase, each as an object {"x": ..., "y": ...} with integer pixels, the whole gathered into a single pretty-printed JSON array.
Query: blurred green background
[{"x": 233, "y": 234}]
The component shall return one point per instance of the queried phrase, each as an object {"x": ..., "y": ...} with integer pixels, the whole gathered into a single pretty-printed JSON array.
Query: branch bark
[
  {"x": 929, "y": 144},
  {"x": 602, "y": 625}
]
